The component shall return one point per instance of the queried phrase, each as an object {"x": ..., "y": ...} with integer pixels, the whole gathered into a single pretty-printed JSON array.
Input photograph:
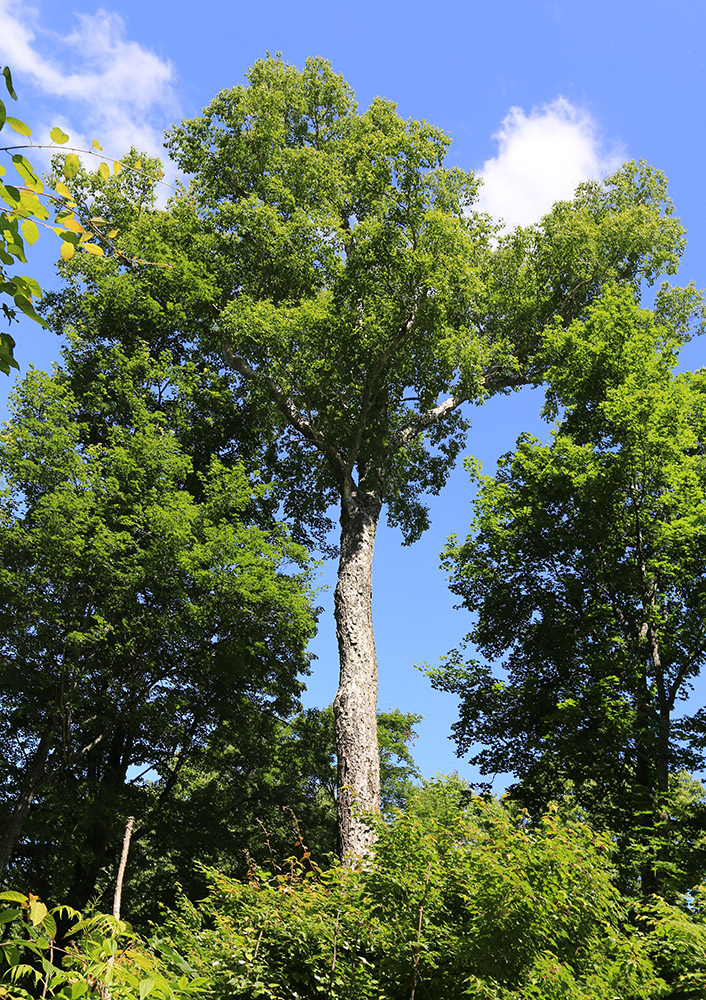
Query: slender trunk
[
  {"x": 117, "y": 898},
  {"x": 355, "y": 705},
  {"x": 30, "y": 782}
]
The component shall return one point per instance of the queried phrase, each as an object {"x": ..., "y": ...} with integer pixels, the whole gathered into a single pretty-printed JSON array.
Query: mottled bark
[
  {"x": 31, "y": 781},
  {"x": 355, "y": 705}
]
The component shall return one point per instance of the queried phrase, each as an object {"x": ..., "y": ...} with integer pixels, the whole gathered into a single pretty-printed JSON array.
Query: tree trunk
[
  {"x": 355, "y": 705},
  {"x": 30, "y": 782}
]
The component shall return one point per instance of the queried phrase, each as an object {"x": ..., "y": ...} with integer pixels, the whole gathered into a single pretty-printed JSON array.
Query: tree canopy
[
  {"x": 586, "y": 571},
  {"x": 139, "y": 615}
]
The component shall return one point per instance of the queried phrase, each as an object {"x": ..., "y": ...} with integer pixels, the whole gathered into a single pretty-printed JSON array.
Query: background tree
[
  {"x": 586, "y": 569},
  {"x": 139, "y": 617},
  {"x": 361, "y": 296},
  {"x": 256, "y": 791}
]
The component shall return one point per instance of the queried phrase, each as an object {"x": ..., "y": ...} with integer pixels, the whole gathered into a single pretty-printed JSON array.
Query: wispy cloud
[
  {"x": 541, "y": 158},
  {"x": 115, "y": 89}
]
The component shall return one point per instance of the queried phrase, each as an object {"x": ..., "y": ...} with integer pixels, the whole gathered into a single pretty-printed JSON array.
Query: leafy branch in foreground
[
  {"x": 26, "y": 205},
  {"x": 60, "y": 953}
]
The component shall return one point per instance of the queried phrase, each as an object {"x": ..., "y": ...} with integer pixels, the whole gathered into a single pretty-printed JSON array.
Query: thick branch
[
  {"x": 423, "y": 421},
  {"x": 288, "y": 409},
  {"x": 368, "y": 394}
]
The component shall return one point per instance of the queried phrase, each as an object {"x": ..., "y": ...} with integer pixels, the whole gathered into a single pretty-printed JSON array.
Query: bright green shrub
[
  {"x": 472, "y": 904},
  {"x": 60, "y": 955}
]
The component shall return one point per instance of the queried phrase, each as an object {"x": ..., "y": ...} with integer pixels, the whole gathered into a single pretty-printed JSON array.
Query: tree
[
  {"x": 139, "y": 615},
  {"x": 361, "y": 296},
  {"x": 586, "y": 569}
]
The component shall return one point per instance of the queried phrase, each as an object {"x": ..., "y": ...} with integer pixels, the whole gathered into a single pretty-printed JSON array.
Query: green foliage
[
  {"x": 28, "y": 204},
  {"x": 586, "y": 568},
  {"x": 473, "y": 902},
  {"x": 247, "y": 795},
  {"x": 148, "y": 603},
  {"x": 675, "y": 936},
  {"x": 59, "y": 953}
]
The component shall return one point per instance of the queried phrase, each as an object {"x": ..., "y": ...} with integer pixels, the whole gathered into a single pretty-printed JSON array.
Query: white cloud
[
  {"x": 541, "y": 158},
  {"x": 96, "y": 82}
]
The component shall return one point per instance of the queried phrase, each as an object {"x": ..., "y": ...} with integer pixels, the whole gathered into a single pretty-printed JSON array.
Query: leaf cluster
[{"x": 66, "y": 955}]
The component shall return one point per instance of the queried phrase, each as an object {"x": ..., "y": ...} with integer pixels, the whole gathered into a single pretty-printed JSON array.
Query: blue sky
[{"x": 536, "y": 95}]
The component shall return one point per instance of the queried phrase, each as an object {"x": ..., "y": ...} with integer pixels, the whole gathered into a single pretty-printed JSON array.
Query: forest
[{"x": 256, "y": 367}]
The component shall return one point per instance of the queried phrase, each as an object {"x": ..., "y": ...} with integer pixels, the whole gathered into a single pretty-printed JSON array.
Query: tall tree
[
  {"x": 359, "y": 301},
  {"x": 586, "y": 569},
  {"x": 362, "y": 295},
  {"x": 139, "y": 615}
]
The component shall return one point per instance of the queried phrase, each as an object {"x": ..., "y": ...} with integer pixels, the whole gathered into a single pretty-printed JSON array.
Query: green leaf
[
  {"x": 23, "y": 303},
  {"x": 49, "y": 925},
  {"x": 7, "y": 915},
  {"x": 3, "y": 114},
  {"x": 58, "y": 136},
  {"x": 72, "y": 165},
  {"x": 8, "y": 83},
  {"x": 78, "y": 989},
  {"x": 146, "y": 987},
  {"x": 17, "y": 126},
  {"x": 28, "y": 286},
  {"x": 13, "y": 897},
  {"x": 37, "y": 911},
  {"x": 24, "y": 970},
  {"x": 10, "y": 195},
  {"x": 30, "y": 231},
  {"x": 26, "y": 171},
  {"x": 31, "y": 205}
]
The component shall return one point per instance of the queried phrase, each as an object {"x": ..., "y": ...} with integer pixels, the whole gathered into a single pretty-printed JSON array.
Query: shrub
[{"x": 468, "y": 902}]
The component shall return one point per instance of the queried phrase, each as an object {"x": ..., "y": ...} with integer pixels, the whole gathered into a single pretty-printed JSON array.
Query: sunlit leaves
[
  {"x": 58, "y": 136},
  {"x": 27, "y": 173},
  {"x": 72, "y": 165},
  {"x": 17, "y": 126},
  {"x": 32, "y": 961}
]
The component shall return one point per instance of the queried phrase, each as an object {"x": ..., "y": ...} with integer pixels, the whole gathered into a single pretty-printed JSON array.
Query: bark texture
[{"x": 355, "y": 705}]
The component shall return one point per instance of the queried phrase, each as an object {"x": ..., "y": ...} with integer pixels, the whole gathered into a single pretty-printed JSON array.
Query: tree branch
[
  {"x": 288, "y": 409},
  {"x": 423, "y": 421}
]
